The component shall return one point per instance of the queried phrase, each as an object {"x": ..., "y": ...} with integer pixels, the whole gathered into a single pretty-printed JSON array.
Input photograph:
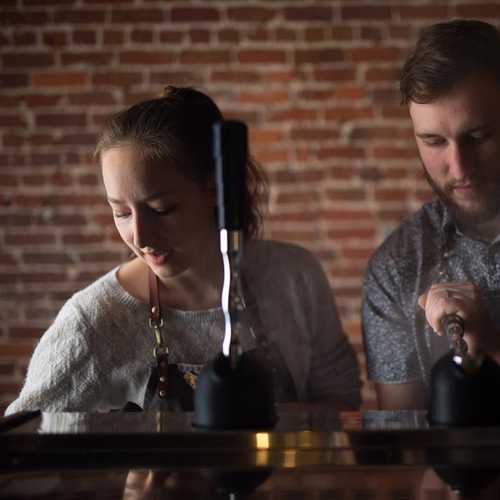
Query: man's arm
[{"x": 410, "y": 396}]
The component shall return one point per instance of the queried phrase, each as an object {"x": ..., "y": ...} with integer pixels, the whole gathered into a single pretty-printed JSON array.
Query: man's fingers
[{"x": 422, "y": 300}]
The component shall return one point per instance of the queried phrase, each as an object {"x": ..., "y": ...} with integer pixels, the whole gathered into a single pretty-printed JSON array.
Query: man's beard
[{"x": 486, "y": 211}]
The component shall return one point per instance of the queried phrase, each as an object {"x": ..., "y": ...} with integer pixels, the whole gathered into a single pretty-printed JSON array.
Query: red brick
[
  {"x": 116, "y": 78},
  {"x": 378, "y": 74},
  {"x": 334, "y": 74},
  {"x": 89, "y": 180},
  {"x": 228, "y": 35},
  {"x": 7, "y": 180},
  {"x": 194, "y": 14},
  {"x": 80, "y": 16},
  {"x": 476, "y": 9},
  {"x": 55, "y": 38},
  {"x": 141, "y": 36},
  {"x": 84, "y": 37},
  {"x": 393, "y": 152},
  {"x": 39, "y": 100},
  {"x": 271, "y": 156},
  {"x": 340, "y": 152},
  {"x": 200, "y": 36},
  {"x": 263, "y": 136},
  {"x": 260, "y": 97},
  {"x": 44, "y": 3},
  {"x": 313, "y": 134},
  {"x": 205, "y": 57},
  {"x": 144, "y": 58},
  {"x": 16, "y": 349},
  {"x": 83, "y": 239},
  {"x": 81, "y": 139},
  {"x": 13, "y": 80},
  {"x": 255, "y": 56},
  {"x": 12, "y": 120},
  {"x": 388, "y": 195},
  {"x": 347, "y": 215},
  {"x": 24, "y": 38},
  {"x": 6, "y": 369},
  {"x": 141, "y": 15},
  {"x": 61, "y": 120},
  {"x": 398, "y": 32},
  {"x": 294, "y": 114},
  {"x": 27, "y": 59},
  {"x": 315, "y": 34},
  {"x": 346, "y": 194},
  {"x": 366, "y": 12},
  {"x": 60, "y": 79},
  {"x": 345, "y": 113},
  {"x": 96, "y": 257},
  {"x": 19, "y": 17},
  {"x": 175, "y": 78},
  {"x": 409, "y": 12},
  {"x": 352, "y": 233},
  {"x": 302, "y": 216},
  {"x": 251, "y": 14},
  {"x": 113, "y": 37},
  {"x": 351, "y": 92},
  {"x": 235, "y": 76},
  {"x": 285, "y": 35},
  {"x": 318, "y": 56},
  {"x": 171, "y": 36},
  {"x": 298, "y": 177},
  {"x": 371, "y": 33},
  {"x": 86, "y": 58},
  {"x": 30, "y": 239},
  {"x": 92, "y": 98},
  {"x": 309, "y": 13},
  {"x": 371, "y": 54}
]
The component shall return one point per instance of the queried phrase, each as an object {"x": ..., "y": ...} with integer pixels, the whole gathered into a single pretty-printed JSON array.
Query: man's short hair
[{"x": 445, "y": 54}]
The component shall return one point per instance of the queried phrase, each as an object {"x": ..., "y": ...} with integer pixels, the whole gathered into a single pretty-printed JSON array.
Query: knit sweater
[{"x": 98, "y": 353}]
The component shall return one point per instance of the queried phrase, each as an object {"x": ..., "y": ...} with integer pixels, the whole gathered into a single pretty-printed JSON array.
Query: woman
[{"x": 158, "y": 174}]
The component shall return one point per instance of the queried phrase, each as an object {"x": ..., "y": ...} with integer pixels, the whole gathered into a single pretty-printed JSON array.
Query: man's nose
[{"x": 459, "y": 161}]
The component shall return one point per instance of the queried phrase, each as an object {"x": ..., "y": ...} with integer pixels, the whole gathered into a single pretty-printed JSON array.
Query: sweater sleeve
[
  {"x": 62, "y": 373},
  {"x": 334, "y": 371}
]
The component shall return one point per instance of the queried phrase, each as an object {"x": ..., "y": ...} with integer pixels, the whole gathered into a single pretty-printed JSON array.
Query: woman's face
[{"x": 164, "y": 217}]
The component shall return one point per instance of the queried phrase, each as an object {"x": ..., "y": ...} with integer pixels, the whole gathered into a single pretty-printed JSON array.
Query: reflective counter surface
[{"x": 312, "y": 452}]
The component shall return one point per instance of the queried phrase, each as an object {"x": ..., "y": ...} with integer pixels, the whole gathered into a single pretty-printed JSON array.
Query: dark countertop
[{"x": 311, "y": 451}]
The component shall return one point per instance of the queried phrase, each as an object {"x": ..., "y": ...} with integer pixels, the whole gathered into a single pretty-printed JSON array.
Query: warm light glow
[{"x": 262, "y": 439}]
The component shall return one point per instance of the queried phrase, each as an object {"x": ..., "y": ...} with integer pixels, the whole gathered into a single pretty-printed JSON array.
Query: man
[{"x": 445, "y": 259}]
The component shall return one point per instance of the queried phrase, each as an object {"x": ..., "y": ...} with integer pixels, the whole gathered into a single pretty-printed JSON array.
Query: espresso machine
[
  {"x": 463, "y": 393},
  {"x": 463, "y": 387},
  {"x": 234, "y": 390}
]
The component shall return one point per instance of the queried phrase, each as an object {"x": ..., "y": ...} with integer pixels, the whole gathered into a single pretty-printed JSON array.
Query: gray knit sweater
[{"x": 98, "y": 353}]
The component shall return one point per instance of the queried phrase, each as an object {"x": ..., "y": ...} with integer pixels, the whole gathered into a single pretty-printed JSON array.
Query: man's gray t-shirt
[{"x": 426, "y": 248}]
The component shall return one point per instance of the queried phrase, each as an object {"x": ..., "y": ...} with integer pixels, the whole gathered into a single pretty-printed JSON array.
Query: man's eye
[
  {"x": 434, "y": 141},
  {"x": 164, "y": 211},
  {"x": 479, "y": 136},
  {"x": 117, "y": 215}
]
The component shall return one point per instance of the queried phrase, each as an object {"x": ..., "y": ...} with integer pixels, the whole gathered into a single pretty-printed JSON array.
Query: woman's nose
[{"x": 143, "y": 232}]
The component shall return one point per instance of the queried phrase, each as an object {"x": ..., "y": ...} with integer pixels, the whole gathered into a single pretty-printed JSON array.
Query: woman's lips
[{"x": 156, "y": 259}]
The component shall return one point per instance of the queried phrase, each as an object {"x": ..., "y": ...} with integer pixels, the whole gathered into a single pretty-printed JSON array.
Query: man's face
[{"x": 458, "y": 139}]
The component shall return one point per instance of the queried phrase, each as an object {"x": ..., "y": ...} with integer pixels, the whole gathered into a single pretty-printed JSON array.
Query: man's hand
[{"x": 464, "y": 300}]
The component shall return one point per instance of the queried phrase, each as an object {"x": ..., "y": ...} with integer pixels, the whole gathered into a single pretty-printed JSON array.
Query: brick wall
[{"x": 315, "y": 80}]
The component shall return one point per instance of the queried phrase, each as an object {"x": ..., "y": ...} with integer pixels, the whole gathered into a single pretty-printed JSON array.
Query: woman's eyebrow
[{"x": 152, "y": 197}]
